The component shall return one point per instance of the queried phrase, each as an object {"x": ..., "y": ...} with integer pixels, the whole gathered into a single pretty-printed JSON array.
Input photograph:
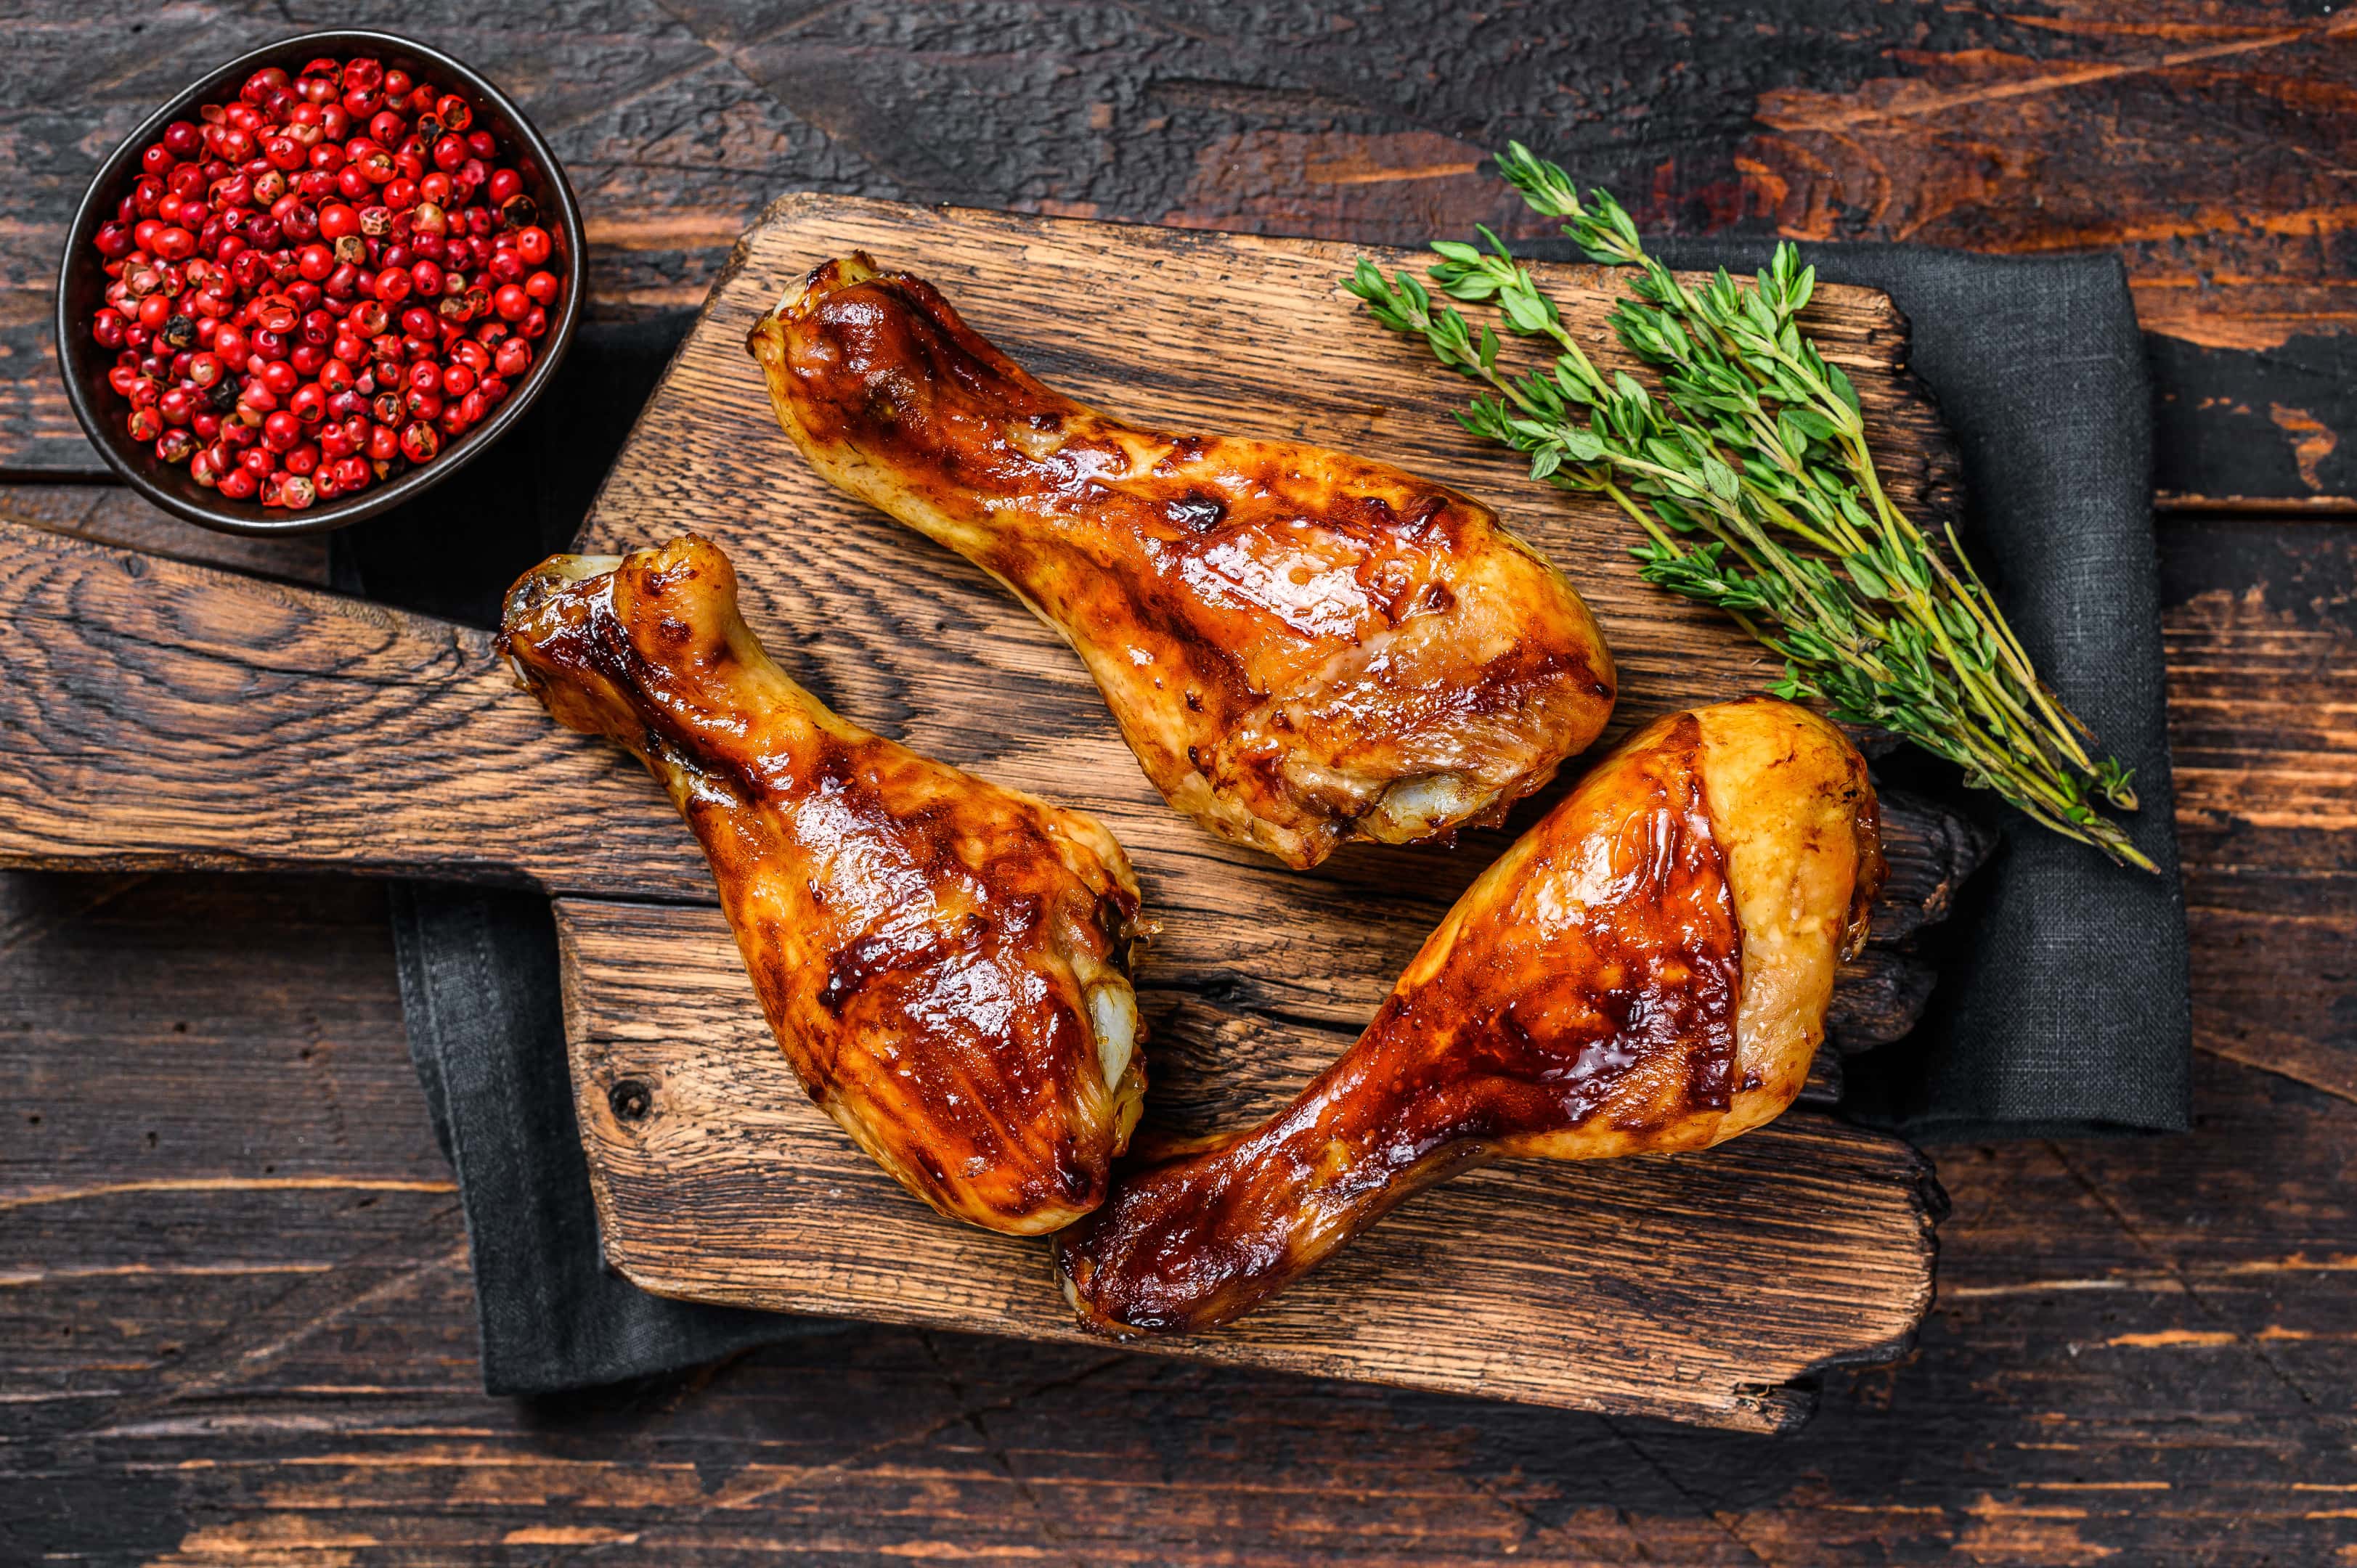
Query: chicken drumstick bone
[
  {"x": 1302, "y": 647},
  {"x": 1645, "y": 970},
  {"x": 944, "y": 960}
]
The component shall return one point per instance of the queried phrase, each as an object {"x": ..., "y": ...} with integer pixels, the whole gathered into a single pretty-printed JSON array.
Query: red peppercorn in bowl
[{"x": 323, "y": 279}]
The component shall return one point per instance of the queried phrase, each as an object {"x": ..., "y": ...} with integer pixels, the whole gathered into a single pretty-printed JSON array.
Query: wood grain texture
[
  {"x": 116, "y": 515},
  {"x": 170, "y": 715},
  {"x": 2206, "y": 148},
  {"x": 163, "y": 714},
  {"x": 1151, "y": 325},
  {"x": 2142, "y": 1346},
  {"x": 238, "y": 1326},
  {"x": 1702, "y": 1287}
]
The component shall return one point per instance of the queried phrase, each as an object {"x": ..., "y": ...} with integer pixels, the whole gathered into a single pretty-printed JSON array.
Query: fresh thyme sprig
[{"x": 1755, "y": 485}]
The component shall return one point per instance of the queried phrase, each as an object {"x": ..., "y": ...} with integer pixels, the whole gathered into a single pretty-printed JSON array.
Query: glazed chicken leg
[
  {"x": 942, "y": 960},
  {"x": 1645, "y": 970},
  {"x": 1303, "y": 647}
]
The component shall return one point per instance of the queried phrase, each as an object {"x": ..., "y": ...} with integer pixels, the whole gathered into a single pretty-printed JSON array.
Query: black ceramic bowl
[{"x": 81, "y": 289}]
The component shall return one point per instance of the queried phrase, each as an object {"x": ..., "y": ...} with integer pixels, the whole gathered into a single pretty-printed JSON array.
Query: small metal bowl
[{"x": 81, "y": 289}]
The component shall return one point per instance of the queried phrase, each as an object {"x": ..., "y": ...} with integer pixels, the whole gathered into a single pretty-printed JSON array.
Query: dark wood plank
[
  {"x": 2207, "y": 149},
  {"x": 213, "y": 1134},
  {"x": 251, "y": 727},
  {"x": 115, "y": 515},
  {"x": 163, "y": 714},
  {"x": 2263, "y": 706},
  {"x": 2204, "y": 150},
  {"x": 717, "y": 1180},
  {"x": 169, "y": 715},
  {"x": 2139, "y": 1346}
]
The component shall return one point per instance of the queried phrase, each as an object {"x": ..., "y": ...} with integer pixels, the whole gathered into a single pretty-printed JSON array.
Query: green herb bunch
[{"x": 1751, "y": 478}]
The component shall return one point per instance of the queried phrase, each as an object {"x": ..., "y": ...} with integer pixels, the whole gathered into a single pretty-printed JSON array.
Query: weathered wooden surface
[
  {"x": 168, "y": 716},
  {"x": 2209, "y": 148},
  {"x": 1178, "y": 331},
  {"x": 251, "y": 1338},
  {"x": 1699, "y": 1288},
  {"x": 164, "y": 714},
  {"x": 236, "y": 1325},
  {"x": 365, "y": 738}
]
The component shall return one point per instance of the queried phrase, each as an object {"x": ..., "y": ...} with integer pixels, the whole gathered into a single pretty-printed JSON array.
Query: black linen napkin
[{"x": 2061, "y": 1007}]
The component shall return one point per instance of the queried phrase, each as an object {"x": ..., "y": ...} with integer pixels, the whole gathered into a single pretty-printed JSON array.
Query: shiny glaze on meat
[
  {"x": 1646, "y": 971},
  {"x": 944, "y": 960},
  {"x": 1303, "y": 647}
]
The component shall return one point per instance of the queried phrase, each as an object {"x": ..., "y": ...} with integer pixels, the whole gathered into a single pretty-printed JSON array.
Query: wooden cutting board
[{"x": 165, "y": 715}]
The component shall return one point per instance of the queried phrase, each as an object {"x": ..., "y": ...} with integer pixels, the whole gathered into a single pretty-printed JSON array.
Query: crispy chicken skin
[
  {"x": 1303, "y": 647},
  {"x": 1646, "y": 971},
  {"x": 942, "y": 960}
]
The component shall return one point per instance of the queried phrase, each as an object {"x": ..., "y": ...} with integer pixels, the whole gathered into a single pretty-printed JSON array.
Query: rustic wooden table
[{"x": 234, "y": 1314}]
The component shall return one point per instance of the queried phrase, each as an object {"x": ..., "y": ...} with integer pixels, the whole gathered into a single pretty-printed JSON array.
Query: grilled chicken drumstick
[
  {"x": 944, "y": 960},
  {"x": 1302, "y": 647},
  {"x": 1645, "y": 970}
]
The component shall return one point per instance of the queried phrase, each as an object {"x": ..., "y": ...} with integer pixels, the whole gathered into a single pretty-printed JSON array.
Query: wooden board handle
[
  {"x": 161, "y": 715},
  {"x": 168, "y": 716}
]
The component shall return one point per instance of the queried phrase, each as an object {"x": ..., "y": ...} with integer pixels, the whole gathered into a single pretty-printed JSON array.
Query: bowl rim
[{"x": 251, "y": 518}]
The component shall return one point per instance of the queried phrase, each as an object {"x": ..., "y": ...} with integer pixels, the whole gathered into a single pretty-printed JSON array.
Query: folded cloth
[
  {"x": 479, "y": 991},
  {"x": 2061, "y": 1004}
]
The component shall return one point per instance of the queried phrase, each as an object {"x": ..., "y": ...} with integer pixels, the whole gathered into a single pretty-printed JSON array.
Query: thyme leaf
[{"x": 1748, "y": 469}]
